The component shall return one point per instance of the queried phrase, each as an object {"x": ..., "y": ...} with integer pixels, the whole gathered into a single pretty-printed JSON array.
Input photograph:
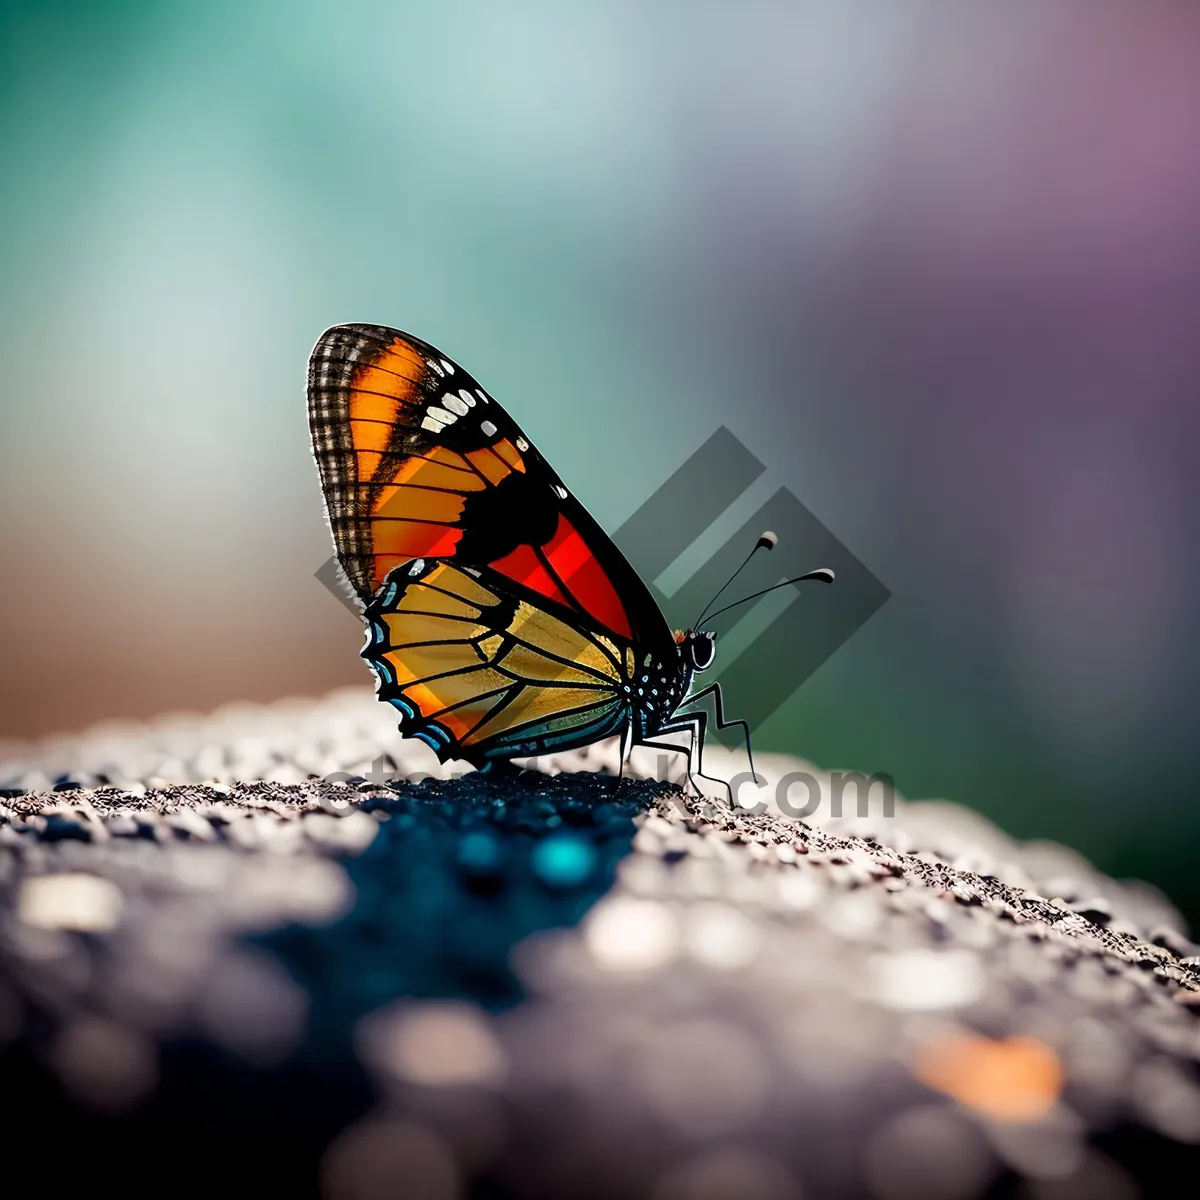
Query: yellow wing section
[{"x": 477, "y": 674}]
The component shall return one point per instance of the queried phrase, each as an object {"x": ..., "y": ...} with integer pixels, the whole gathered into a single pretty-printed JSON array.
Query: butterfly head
[{"x": 698, "y": 648}]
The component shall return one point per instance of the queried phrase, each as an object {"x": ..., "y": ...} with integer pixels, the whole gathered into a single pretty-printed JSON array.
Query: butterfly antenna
[
  {"x": 823, "y": 574},
  {"x": 766, "y": 540}
]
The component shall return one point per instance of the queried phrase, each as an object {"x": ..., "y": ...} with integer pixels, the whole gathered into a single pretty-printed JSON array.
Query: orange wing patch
[
  {"x": 511, "y": 455},
  {"x": 393, "y": 491},
  {"x": 379, "y": 389},
  {"x": 397, "y": 371},
  {"x": 440, "y": 468},
  {"x": 415, "y": 514}
]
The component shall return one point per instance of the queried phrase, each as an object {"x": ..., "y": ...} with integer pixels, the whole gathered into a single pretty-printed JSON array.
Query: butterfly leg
[
  {"x": 714, "y": 690},
  {"x": 697, "y": 725},
  {"x": 626, "y": 748},
  {"x": 686, "y": 751}
]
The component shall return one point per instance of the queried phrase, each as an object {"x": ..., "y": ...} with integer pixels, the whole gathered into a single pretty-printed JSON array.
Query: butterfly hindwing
[
  {"x": 418, "y": 461},
  {"x": 478, "y": 674}
]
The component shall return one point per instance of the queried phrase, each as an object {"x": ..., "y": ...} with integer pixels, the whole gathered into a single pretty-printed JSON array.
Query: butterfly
[{"x": 502, "y": 621}]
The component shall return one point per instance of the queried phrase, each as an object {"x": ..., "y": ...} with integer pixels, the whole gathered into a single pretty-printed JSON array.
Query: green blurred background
[{"x": 938, "y": 266}]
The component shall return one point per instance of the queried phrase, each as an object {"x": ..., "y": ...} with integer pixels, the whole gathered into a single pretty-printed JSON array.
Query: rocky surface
[{"x": 280, "y": 947}]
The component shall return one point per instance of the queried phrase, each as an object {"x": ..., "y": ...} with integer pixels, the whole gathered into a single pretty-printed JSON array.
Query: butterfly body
[{"x": 502, "y": 622}]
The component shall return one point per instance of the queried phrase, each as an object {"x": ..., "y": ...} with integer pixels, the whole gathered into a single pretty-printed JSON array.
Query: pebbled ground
[{"x": 279, "y": 947}]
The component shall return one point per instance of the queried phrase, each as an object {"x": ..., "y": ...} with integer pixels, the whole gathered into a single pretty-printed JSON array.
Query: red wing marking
[
  {"x": 584, "y": 577},
  {"x": 523, "y": 566}
]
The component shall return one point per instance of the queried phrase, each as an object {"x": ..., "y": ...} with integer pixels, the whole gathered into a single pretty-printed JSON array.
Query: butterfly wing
[
  {"x": 418, "y": 461},
  {"x": 478, "y": 674},
  {"x": 503, "y": 621}
]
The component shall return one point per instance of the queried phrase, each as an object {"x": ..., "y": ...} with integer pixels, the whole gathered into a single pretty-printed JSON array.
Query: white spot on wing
[
  {"x": 432, "y": 424},
  {"x": 454, "y": 404},
  {"x": 435, "y": 366},
  {"x": 440, "y": 414},
  {"x": 418, "y": 565},
  {"x": 522, "y": 444},
  {"x": 481, "y": 394},
  {"x": 488, "y": 428},
  {"x": 449, "y": 367},
  {"x": 560, "y": 491}
]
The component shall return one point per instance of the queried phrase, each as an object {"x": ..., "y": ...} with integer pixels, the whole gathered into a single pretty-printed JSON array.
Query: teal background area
[{"x": 938, "y": 266}]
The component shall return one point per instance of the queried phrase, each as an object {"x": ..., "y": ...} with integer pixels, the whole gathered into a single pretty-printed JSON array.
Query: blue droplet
[{"x": 563, "y": 860}]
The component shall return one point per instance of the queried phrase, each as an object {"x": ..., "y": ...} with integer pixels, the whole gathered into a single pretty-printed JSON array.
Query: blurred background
[{"x": 937, "y": 266}]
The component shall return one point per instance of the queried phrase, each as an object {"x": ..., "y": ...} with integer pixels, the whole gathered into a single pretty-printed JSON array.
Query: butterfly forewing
[
  {"x": 402, "y": 438},
  {"x": 418, "y": 461}
]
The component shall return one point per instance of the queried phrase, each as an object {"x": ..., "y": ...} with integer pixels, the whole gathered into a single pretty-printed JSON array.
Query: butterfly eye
[{"x": 703, "y": 649}]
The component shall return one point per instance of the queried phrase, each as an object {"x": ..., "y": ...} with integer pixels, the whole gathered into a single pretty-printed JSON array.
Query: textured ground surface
[{"x": 561, "y": 984}]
